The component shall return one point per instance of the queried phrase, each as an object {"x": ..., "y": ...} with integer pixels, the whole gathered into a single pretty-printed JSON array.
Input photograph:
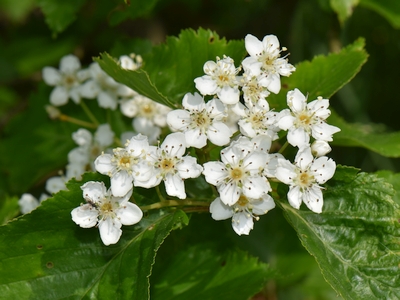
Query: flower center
[
  {"x": 242, "y": 201},
  {"x": 106, "y": 207},
  {"x": 201, "y": 120},
  {"x": 305, "y": 179},
  {"x": 69, "y": 80},
  {"x": 167, "y": 164},
  {"x": 123, "y": 160},
  {"x": 236, "y": 174},
  {"x": 147, "y": 110}
]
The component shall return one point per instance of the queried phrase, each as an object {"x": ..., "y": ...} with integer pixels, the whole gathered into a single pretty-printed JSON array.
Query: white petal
[
  {"x": 27, "y": 203},
  {"x": 174, "y": 144},
  {"x": 59, "y": 96},
  {"x": 51, "y": 76},
  {"x": 296, "y": 100},
  {"x": 195, "y": 138},
  {"x": 229, "y": 95},
  {"x": 206, "y": 85},
  {"x": 274, "y": 83},
  {"x": 298, "y": 137},
  {"x": 129, "y": 108},
  {"x": 253, "y": 45},
  {"x": 219, "y": 134},
  {"x": 138, "y": 145},
  {"x": 286, "y": 122},
  {"x": 94, "y": 191},
  {"x": 262, "y": 206},
  {"x": 89, "y": 89},
  {"x": 313, "y": 199},
  {"x": 178, "y": 119},
  {"x": 304, "y": 158},
  {"x": 229, "y": 193},
  {"x": 193, "y": 102},
  {"x": 188, "y": 167},
  {"x": 285, "y": 171},
  {"x": 242, "y": 223},
  {"x": 271, "y": 43},
  {"x": 255, "y": 161},
  {"x": 255, "y": 187},
  {"x": 220, "y": 211},
  {"x": 104, "y": 135},
  {"x": 174, "y": 186},
  {"x": 121, "y": 183},
  {"x": 323, "y": 131},
  {"x": 323, "y": 169},
  {"x": 320, "y": 148},
  {"x": 215, "y": 172},
  {"x": 295, "y": 196},
  {"x": 69, "y": 64},
  {"x": 103, "y": 164},
  {"x": 110, "y": 231},
  {"x": 82, "y": 137},
  {"x": 85, "y": 216},
  {"x": 55, "y": 184},
  {"x": 107, "y": 100},
  {"x": 129, "y": 214}
]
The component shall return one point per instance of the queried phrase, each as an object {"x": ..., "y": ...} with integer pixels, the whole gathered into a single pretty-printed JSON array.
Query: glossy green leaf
[
  {"x": 389, "y": 9},
  {"x": 367, "y": 136},
  {"x": 170, "y": 69},
  {"x": 201, "y": 272},
  {"x": 393, "y": 179},
  {"x": 45, "y": 255},
  {"x": 343, "y": 8},
  {"x": 356, "y": 239},
  {"x": 324, "y": 75},
  {"x": 60, "y": 14}
]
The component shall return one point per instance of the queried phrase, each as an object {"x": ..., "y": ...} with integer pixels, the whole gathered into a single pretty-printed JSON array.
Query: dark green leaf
[
  {"x": 60, "y": 14},
  {"x": 324, "y": 75},
  {"x": 9, "y": 209},
  {"x": 200, "y": 272},
  {"x": 389, "y": 9},
  {"x": 170, "y": 69},
  {"x": 131, "y": 9},
  {"x": 368, "y": 136},
  {"x": 393, "y": 179},
  {"x": 356, "y": 239},
  {"x": 45, "y": 255}
]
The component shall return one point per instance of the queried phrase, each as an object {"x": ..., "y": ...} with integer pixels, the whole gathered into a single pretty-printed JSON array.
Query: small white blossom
[
  {"x": 126, "y": 165},
  {"x": 220, "y": 80},
  {"x": 305, "y": 119},
  {"x": 28, "y": 202},
  {"x": 200, "y": 121},
  {"x": 304, "y": 177},
  {"x": 55, "y": 184},
  {"x": 265, "y": 59},
  {"x": 66, "y": 81},
  {"x": 131, "y": 62},
  {"x": 172, "y": 167},
  {"x": 243, "y": 212},
  {"x": 104, "y": 88},
  {"x": 106, "y": 211},
  {"x": 239, "y": 172}
]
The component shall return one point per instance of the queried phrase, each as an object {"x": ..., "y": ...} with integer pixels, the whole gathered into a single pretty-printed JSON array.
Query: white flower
[
  {"x": 28, "y": 202},
  {"x": 239, "y": 172},
  {"x": 320, "y": 148},
  {"x": 254, "y": 86},
  {"x": 104, "y": 88},
  {"x": 220, "y": 80},
  {"x": 125, "y": 165},
  {"x": 200, "y": 121},
  {"x": 172, "y": 167},
  {"x": 89, "y": 148},
  {"x": 67, "y": 81},
  {"x": 265, "y": 58},
  {"x": 131, "y": 62},
  {"x": 306, "y": 119},
  {"x": 304, "y": 177},
  {"x": 55, "y": 184},
  {"x": 242, "y": 212},
  {"x": 106, "y": 211},
  {"x": 148, "y": 115},
  {"x": 259, "y": 120}
]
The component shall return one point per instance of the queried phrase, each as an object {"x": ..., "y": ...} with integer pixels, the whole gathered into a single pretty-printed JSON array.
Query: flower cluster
[{"x": 230, "y": 111}]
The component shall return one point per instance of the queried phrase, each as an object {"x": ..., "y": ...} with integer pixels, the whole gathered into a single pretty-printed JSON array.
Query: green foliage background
[{"x": 361, "y": 209}]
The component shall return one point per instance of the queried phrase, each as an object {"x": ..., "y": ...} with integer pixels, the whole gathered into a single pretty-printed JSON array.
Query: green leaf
[
  {"x": 44, "y": 254},
  {"x": 132, "y": 9},
  {"x": 324, "y": 75},
  {"x": 170, "y": 69},
  {"x": 138, "y": 80},
  {"x": 343, "y": 8},
  {"x": 356, "y": 239},
  {"x": 394, "y": 180},
  {"x": 368, "y": 136},
  {"x": 389, "y": 9},
  {"x": 60, "y": 14},
  {"x": 201, "y": 272},
  {"x": 9, "y": 209}
]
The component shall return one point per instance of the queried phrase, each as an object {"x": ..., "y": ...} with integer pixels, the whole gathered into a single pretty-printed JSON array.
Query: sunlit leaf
[
  {"x": 356, "y": 239},
  {"x": 44, "y": 254},
  {"x": 389, "y": 9},
  {"x": 343, "y": 8}
]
